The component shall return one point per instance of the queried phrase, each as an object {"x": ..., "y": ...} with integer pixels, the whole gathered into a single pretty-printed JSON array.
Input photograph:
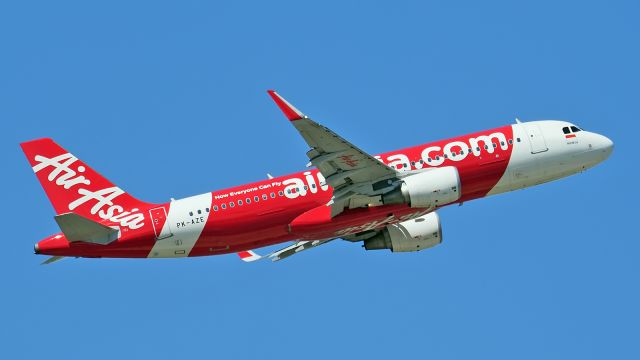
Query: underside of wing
[{"x": 298, "y": 246}]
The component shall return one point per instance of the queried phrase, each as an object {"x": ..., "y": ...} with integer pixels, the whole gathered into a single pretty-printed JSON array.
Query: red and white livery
[{"x": 386, "y": 201}]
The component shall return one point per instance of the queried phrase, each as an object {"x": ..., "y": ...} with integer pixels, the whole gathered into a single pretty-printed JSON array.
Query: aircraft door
[
  {"x": 161, "y": 227},
  {"x": 536, "y": 139}
]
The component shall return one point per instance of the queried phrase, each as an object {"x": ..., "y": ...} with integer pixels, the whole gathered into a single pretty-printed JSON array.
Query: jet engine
[
  {"x": 429, "y": 188},
  {"x": 412, "y": 235}
]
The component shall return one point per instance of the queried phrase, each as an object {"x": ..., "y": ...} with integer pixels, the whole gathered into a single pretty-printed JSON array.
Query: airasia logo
[
  {"x": 63, "y": 175},
  {"x": 454, "y": 151},
  {"x": 430, "y": 156},
  {"x": 312, "y": 183}
]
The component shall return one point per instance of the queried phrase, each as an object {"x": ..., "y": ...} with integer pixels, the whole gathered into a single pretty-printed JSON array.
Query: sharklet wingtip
[{"x": 287, "y": 109}]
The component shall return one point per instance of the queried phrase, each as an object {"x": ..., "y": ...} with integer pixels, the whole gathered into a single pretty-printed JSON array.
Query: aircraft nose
[
  {"x": 601, "y": 147},
  {"x": 605, "y": 145}
]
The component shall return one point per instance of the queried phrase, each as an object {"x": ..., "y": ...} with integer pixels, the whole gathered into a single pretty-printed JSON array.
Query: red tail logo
[{"x": 72, "y": 186}]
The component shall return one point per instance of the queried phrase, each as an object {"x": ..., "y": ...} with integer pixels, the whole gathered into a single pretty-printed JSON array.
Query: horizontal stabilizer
[{"x": 78, "y": 228}]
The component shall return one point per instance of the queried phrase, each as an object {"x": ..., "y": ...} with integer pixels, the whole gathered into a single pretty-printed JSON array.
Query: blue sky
[{"x": 167, "y": 99}]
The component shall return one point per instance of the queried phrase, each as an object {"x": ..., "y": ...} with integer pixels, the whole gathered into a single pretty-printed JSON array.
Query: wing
[
  {"x": 298, "y": 246},
  {"x": 249, "y": 256},
  {"x": 52, "y": 259},
  {"x": 357, "y": 178}
]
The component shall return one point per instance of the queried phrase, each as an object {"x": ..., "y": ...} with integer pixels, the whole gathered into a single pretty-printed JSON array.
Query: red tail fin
[{"x": 72, "y": 186}]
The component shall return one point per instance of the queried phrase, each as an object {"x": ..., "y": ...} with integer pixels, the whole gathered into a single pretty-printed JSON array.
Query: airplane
[{"x": 386, "y": 201}]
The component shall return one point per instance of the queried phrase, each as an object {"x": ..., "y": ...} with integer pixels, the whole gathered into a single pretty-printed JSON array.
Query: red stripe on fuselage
[
  {"x": 267, "y": 222},
  {"x": 250, "y": 226}
]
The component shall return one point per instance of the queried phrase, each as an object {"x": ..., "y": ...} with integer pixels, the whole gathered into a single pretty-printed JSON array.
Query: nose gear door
[{"x": 536, "y": 139}]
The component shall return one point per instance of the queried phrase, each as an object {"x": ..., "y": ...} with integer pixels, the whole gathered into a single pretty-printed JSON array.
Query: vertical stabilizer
[{"x": 73, "y": 186}]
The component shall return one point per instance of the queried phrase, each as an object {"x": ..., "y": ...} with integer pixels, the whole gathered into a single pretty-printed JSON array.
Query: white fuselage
[{"x": 544, "y": 153}]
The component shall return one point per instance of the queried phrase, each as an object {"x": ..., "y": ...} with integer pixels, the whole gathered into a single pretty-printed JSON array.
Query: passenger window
[
  {"x": 247, "y": 200},
  {"x": 477, "y": 148},
  {"x": 575, "y": 129},
  {"x": 273, "y": 195},
  {"x": 199, "y": 212},
  {"x": 518, "y": 139},
  {"x": 313, "y": 186},
  {"x": 501, "y": 143},
  {"x": 264, "y": 196},
  {"x": 510, "y": 141},
  {"x": 224, "y": 206},
  {"x": 486, "y": 147},
  {"x": 281, "y": 193},
  {"x": 437, "y": 158},
  {"x": 190, "y": 213},
  {"x": 207, "y": 209},
  {"x": 429, "y": 159},
  {"x": 256, "y": 199},
  {"x": 232, "y": 204},
  {"x": 240, "y": 202},
  {"x": 495, "y": 145},
  {"x": 215, "y": 207},
  {"x": 566, "y": 130}
]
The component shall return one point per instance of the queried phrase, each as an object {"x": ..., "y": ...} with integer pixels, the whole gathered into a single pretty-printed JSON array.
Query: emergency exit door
[
  {"x": 161, "y": 227},
  {"x": 536, "y": 139}
]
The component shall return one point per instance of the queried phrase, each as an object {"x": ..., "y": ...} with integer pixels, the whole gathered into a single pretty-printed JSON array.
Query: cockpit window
[
  {"x": 575, "y": 129},
  {"x": 566, "y": 130}
]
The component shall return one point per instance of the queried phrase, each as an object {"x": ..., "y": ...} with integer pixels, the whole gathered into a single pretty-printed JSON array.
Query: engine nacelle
[
  {"x": 412, "y": 235},
  {"x": 429, "y": 188}
]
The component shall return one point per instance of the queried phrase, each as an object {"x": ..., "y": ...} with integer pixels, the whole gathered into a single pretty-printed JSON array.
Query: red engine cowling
[{"x": 412, "y": 235}]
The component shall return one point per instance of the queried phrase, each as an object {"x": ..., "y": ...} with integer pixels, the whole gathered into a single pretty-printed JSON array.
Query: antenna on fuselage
[
  {"x": 269, "y": 176},
  {"x": 518, "y": 121}
]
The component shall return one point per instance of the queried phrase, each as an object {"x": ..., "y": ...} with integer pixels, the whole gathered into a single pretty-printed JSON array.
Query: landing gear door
[
  {"x": 161, "y": 227},
  {"x": 536, "y": 139}
]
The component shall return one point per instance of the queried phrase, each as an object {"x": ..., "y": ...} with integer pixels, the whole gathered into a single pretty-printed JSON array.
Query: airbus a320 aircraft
[{"x": 387, "y": 201}]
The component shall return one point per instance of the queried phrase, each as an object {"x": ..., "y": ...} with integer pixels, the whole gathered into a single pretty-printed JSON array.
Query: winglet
[
  {"x": 249, "y": 256},
  {"x": 289, "y": 110}
]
